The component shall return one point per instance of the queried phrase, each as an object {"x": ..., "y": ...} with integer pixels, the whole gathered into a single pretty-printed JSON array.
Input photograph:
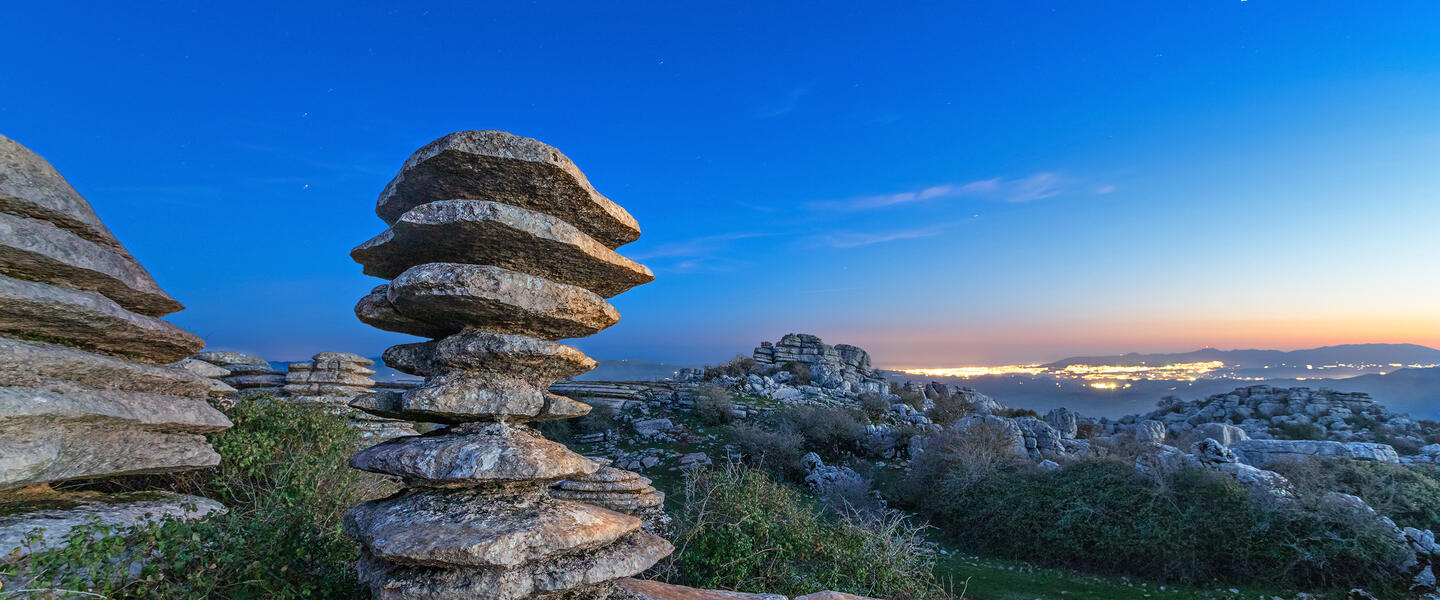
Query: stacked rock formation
[
  {"x": 216, "y": 374},
  {"x": 497, "y": 247},
  {"x": 843, "y": 367},
  {"x": 248, "y": 374},
  {"x": 618, "y": 490},
  {"x": 332, "y": 380},
  {"x": 86, "y": 386}
]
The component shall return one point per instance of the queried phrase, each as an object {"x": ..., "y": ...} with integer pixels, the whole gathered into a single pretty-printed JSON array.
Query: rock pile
[
  {"x": 843, "y": 367},
  {"x": 248, "y": 374},
  {"x": 618, "y": 490},
  {"x": 497, "y": 247},
  {"x": 86, "y": 386},
  {"x": 332, "y": 380},
  {"x": 1265, "y": 411}
]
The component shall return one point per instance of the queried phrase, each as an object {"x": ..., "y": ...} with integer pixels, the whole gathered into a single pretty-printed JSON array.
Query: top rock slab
[
  {"x": 499, "y": 166},
  {"x": 31, "y": 187}
]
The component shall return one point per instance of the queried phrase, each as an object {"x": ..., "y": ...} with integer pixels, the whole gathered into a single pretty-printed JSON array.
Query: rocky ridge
[
  {"x": 87, "y": 385},
  {"x": 475, "y": 519}
]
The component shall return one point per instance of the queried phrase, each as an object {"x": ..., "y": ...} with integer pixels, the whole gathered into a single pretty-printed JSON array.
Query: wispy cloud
[
  {"x": 784, "y": 107},
  {"x": 1038, "y": 186},
  {"x": 695, "y": 247},
  {"x": 856, "y": 239}
]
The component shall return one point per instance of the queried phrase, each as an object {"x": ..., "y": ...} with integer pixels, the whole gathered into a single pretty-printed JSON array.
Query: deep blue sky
[{"x": 942, "y": 183}]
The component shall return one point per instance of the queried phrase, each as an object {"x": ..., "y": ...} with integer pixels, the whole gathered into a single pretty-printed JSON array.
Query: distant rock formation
[
  {"x": 498, "y": 246},
  {"x": 331, "y": 380},
  {"x": 845, "y": 368},
  {"x": 248, "y": 374},
  {"x": 86, "y": 386},
  {"x": 1266, "y": 411}
]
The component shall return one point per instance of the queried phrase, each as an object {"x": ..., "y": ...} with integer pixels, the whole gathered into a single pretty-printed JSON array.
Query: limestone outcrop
[
  {"x": 331, "y": 380},
  {"x": 498, "y": 247},
  {"x": 88, "y": 388},
  {"x": 618, "y": 490},
  {"x": 248, "y": 374},
  {"x": 843, "y": 367}
]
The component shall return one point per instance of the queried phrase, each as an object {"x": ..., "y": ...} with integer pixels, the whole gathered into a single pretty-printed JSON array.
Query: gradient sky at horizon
[{"x": 942, "y": 184}]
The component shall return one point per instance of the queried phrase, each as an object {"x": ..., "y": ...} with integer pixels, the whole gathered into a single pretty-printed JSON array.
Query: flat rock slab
[
  {"x": 538, "y": 361},
  {"x": 479, "y": 529},
  {"x": 226, "y": 358},
  {"x": 472, "y": 455},
  {"x": 24, "y": 363},
  {"x": 490, "y": 233},
  {"x": 303, "y": 375},
  {"x": 448, "y": 298},
  {"x": 59, "y": 434},
  {"x": 241, "y": 382},
  {"x": 31, "y": 187},
  {"x": 468, "y": 400},
  {"x": 54, "y": 518},
  {"x": 39, "y": 251},
  {"x": 832, "y": 595},
  {"x": 90, "y": 321},
  {"x": 640, "y": 589},
  {"x": 506, "y": 168},
  {"x": 628, "y": 556},
  {"x": 202, "y": 368},
  {"x": 625, "y": 503}
]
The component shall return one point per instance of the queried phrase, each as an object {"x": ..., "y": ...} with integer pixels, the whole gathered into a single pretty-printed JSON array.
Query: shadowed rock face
[
  {"x": 86, "y": 388},
  {"x": 506, "y": 168},
  {"x": 498, "y": 246}
]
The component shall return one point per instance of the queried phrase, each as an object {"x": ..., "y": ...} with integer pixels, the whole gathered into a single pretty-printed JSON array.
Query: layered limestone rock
[
  {"x": 843, "y": 367},
  {"x": 618, "y": 490},
  {"x": 248, "y": 374},
  {"x": 88, "y": 388},
  {"x": 498, "y": 247},
  {"x": 331, "y": 380}
]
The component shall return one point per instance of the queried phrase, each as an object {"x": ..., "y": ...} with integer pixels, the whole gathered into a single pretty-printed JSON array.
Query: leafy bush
[
  {"x": 1409, "y": 494},
  {"x": 776, "y": 452},
  {"x": 1299, "y": 431},
  {"x": 284, "y": 478},
  {"x": 739, "y": 366},
  {"x": 713, "y": 404},
  {"x": 800, "y": 370},
  {"x": 1015, "y": 413},
  {"x": 833, "y": 433},
  {"x": 600, "y": 419},
  {"x": 1193, "y": 526},
  {"x": 949, "y": 410},
  {"x": 740, "y": 530},
  {"x": 874, "y": 405}
]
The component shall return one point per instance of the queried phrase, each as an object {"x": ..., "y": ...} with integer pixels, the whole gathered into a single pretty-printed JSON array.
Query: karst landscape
[{"x": 986, "y": 388}]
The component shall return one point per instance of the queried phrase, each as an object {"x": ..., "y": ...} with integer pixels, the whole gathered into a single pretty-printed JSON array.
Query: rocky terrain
[{"x": 89, "y": 385}]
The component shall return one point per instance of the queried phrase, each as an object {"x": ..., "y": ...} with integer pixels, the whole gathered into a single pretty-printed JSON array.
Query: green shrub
[
  {"x": 1015, "y": 413},
  {"x": 1409, "y": 494},
  {"x": 875, "y": 406},
  {"x": 1299, "y": 431},
  {"x": 737, "y": 529},
  {"x": 739, "y": 366},
  {"x": 284, "y": 478},
  {"x": 600, "y": 419},
  {"x": 833, "y": 433},
  {"x": 775, "y": 452},
  {"x": 1194, "y": 526},
  {"x": 800, "y": 370},
  {"x": 714, "y": 405},
  {"x": 945, "y": 410}
]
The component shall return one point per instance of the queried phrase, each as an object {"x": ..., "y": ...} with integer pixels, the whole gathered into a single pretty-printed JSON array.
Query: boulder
[
  {"x": 506, "y": 168},
  {"x": 640, "y": 589},
  {"x": 1261, "y": 452},
  {"x": 89, "y": 321}
]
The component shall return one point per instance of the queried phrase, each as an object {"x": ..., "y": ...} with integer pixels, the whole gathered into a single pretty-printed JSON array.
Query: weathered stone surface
[
  {"x": 376, "y": 311},
  {"x": 337, "y": 392},
  {"x": 447, "y": 298},
  {"x": 642, "y": 589},
  {"x": 32, "y": 364},
  {"x": 227, "y": 359},
  {"x": 211, "y": 373},
  {"x": 61, "y": 514},
  {"x": 474, "y": 454},
  {"x": 471, "y": 404},
  {"x": 628, "y": 556},
  {"x": 243, "y": 382},
  {"x": 89, "y": 321},
  {"x": 39, "y": 251},
  {"x": 308, "y": 374},
  {"x": 489, "y": 233},
  {"x": 480, "y": 529},
  {"x": 1261, "y": 452},
  {"x": 342, "y": 357},
  {"x": 539, "y": 361},
  {"x": 68, "y": 432},
  {"x": 31, "y": 187},
  {"x": 506, "y": 168},
  {"x": 832, "y": 595}
]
